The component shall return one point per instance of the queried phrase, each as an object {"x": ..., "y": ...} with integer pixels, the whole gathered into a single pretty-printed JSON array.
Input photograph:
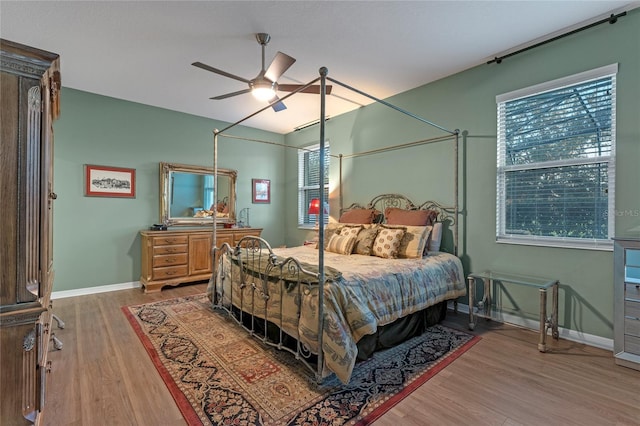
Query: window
[
  {"x": 556, "y": 162},
  {"x": 208, "y": 191},
  {"x": 309, "y": 183}
]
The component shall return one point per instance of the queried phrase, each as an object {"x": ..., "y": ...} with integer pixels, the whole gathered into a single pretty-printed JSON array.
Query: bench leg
[
  {"x": 554, "y": 314},
  {"x": 542, "y": 345},
  {"x": 472, "y": 288}
]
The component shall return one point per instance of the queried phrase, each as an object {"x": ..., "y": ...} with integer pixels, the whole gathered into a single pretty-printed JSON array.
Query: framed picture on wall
[
  {"x": 106, "y": 181},
  {"x": 261, "y": 190}
]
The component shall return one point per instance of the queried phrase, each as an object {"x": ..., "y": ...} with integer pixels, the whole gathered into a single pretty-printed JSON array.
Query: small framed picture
[
  {"x": 106, "y": 181},
  {"x": 261, "y": 190}
]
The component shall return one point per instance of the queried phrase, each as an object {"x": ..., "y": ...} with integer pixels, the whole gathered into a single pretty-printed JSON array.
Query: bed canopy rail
[
  {"x": 397, "y": 108},
  {"x": 452, "y": 135},
  {"x": 323, "y": 71}
]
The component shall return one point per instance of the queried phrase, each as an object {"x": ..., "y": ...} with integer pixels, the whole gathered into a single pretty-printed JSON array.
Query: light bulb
[
  {"x": 263, "y": 93},
  {"x": 263, "y": 89}
]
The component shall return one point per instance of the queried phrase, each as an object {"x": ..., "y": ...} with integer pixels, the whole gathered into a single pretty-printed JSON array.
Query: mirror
[{"x": 186, "y": 195}]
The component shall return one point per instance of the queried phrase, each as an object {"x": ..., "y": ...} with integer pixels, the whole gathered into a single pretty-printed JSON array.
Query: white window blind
[
  {"x": 309, "y": 182},
  {"x": 556, "y": 162}
]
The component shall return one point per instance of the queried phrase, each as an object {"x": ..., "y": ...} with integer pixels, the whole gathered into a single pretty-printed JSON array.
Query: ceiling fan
[{"x": 265, "y": 84}]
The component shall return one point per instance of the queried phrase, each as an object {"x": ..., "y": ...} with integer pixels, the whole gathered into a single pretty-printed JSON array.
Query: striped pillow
[
  {"x": 341, "y": 244},
  {"x": 414, "y": 241}
]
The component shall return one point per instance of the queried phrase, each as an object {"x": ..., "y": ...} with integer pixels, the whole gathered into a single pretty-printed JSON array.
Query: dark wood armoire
[{"x": 30, "y": 85}]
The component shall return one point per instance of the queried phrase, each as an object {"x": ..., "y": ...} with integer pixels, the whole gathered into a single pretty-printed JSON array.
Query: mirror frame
[{"x": 165, "y": 192}]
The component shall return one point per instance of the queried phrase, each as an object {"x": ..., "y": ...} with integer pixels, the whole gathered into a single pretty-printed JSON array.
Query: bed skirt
[
  {"x": 387, "y": 336},
  {"x": 400, "y": 330}
]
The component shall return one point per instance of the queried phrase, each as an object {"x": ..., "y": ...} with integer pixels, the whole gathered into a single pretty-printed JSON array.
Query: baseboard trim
[
  {"x": 565, "y": 333},
  {"x": 95, "y": 290}
]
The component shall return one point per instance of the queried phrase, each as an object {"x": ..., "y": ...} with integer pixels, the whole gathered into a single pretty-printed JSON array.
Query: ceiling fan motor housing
[{"x": 263, "y": 38}]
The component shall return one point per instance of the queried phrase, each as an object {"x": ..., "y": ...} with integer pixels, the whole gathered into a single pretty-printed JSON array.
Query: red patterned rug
[{"x": 219, "y": 375}]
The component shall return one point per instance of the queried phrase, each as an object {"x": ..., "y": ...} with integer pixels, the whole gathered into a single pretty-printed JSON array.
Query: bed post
[
  {"x": 340, "y": 186},
  {"x": 215, "y": 183},
  {"x": 323, "y": 84},
  {"x": 455, "y": 192}
]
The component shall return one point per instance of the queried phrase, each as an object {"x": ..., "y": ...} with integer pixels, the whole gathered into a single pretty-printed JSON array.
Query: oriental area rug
[{"x": 220, "y": 375}]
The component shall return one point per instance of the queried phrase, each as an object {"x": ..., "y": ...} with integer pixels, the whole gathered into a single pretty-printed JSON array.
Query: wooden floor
[{"x": 103, "y": 376}]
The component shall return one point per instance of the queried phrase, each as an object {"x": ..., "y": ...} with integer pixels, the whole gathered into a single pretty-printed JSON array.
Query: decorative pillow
[
  {"x": 350, "y": 230},
  {"x": 414, "y": 242},
  {"x": 330, "y": 229},
  {"x": 425, "y": 251},
  {"x": 341, "y": 244},
  {"x": 387, "y": 242},
  {"x": 365, "y": 240},
  {"x": 436, "y": 237},
  {"x": 396, "y": 216},
  {"x": 360, "y": 216}
]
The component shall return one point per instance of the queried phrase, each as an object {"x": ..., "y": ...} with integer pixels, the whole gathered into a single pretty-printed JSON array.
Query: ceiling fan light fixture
[{"x": 263, "y": 90}]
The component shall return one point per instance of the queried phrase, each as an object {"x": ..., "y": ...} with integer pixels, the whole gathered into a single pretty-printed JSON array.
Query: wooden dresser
[
  {"x": 176, "y": 257},
  {"x": 30, "y": 84}
]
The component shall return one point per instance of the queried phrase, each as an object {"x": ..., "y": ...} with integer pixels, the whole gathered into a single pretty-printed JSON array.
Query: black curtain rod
[{"x": 611, "y": 19}]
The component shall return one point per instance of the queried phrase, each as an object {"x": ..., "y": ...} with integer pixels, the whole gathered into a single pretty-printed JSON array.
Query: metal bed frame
[{"x": 259, "y": 245}]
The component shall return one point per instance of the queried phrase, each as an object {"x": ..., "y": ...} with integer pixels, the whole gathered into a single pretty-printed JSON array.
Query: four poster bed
[{"x": 385, "y": 276}]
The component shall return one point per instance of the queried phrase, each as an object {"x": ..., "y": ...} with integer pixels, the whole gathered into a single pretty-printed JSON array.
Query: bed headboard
[{"x": 446, "y": 214}]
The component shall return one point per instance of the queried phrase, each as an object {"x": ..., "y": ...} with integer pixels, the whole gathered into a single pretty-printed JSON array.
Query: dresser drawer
[
  {"x": 170, "y": 272},
  {"x": 632, "y": 291},
  {"x": 169, "y": 240},
  {"x": 177, "y": 248},
  {"x": 632, "y": 327},
  {"x": 169, "y": 260},
  {"x": 632, "y": 344},
  {"x": 631, "y": 309}
]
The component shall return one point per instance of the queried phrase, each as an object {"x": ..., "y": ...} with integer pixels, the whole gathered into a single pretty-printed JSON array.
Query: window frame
[
  {"x": 304, "y": 219},
  {"x": 501, "y": 197}
]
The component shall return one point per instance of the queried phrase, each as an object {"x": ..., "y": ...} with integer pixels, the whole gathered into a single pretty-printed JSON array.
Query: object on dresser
[
  {"x": 158, "y": 227},
  {"x": 187, "y": 195}
]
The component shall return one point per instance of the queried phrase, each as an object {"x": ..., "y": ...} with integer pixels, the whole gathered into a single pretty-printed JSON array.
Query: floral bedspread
[{"x": 370, "y": 292}]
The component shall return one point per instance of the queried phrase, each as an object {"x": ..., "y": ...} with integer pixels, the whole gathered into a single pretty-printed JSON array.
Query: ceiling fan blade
[
  {"x": 310, "y": 89},
  {"x": 279, "y": 106},
  {"x": 279, "y": 66},
  {"x": 217, "y": 71},
  {"x": 228, "y": 95}
]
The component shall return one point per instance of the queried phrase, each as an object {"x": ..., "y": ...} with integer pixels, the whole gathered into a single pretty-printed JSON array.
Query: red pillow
[
  {"x": 361, "y": 216},
  {"x": 395, "y": 216}
]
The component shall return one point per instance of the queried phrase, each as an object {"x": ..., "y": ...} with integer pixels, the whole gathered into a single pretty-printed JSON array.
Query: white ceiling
[{"x": 142, "y": 51}]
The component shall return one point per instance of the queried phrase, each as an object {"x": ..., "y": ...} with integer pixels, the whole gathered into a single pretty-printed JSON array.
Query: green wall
[
  {"x": 96, "y": 240},
  {"x": 466, "y": 101}
]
